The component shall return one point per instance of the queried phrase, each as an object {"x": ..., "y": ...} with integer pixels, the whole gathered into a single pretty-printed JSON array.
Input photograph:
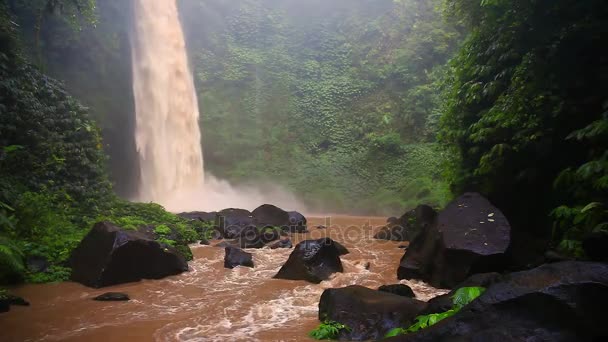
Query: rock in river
[
  {"x": 409, "y": 225},
  {"x": 563, "y": 301},
  {"x": 237, "y": 257},
  {"x": 312, "y": 260},
  {"x": 369, "y": 314},
  {"x": 109, "y": 255},
  {"x": 470, "y": 236}
]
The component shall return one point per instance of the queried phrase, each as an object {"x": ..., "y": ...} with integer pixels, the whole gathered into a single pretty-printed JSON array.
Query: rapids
[{"x": 210, "y": 303}]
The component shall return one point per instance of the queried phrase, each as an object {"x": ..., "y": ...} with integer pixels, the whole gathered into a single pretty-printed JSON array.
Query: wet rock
[
  {"x": 470, "y": 236},
  {"x": 252, "y": 237},
  {"x": 320, "y": 227},
  {"x": 444, "y": 302},
  {"x": 204, "y": 242},
  {"x": 297, "y": 222},
  {"x": 312, "y": 260},
  {"x": 595, "y": 246},
  {"x": 6, "y": 300},
  {"x": 37, "y": 264},
  {"x": 237, "y": 257},
  {"x": 109, "y": 255},
  {"x": 231, "y": 222},
  {"x": 226, "y": 243},
  {"x": 285, "y": 243},
  {"x": 370, "y": 314},
  {"x": 112, "y": 297},
  {"x": 563, "y": 301},
  {"x": 403, "y": 246},
  {"x": 270, "y": 215},
  {"x": 398, "y": 289},
  {"x": 341, "y": 249},
  {"x": 199, "y": 215},
  {"x": 408, "y": 226}
]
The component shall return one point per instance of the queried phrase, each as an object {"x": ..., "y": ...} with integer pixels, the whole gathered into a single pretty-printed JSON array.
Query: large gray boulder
[{"x": 312, "y": 260}]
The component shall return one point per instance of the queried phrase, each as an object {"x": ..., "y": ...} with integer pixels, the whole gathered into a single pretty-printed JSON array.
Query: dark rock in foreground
[
  {"x": 285, "y": 243},
  {"x": 231, "y": 222},
  {"x": 341, "y": 249},
  {"x": 112, "y": 297},
  {"x": 370, "y": 314},
  {"x": 6, "y": 300},
  {"x": 595, "y": 246},
  {"x": 444, "y": 302},
  {"x": 252, "y": 237},
  {"x": 555, "y": 302},
  {"x": 236, "y": 257},
  {"x": 313, "y": 261},
  {"x": 408, "y": 226},
  {"x": 470, "y": 236},
  {"x": 109, "y": 255},
  {"x": 398, "y": 289}
]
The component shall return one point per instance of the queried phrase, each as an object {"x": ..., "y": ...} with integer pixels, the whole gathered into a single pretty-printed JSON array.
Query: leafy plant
[
  {"x": 162, "y": 230},
  {"x": 461, "y": 297},
  {"x": 328, "y": 330}
]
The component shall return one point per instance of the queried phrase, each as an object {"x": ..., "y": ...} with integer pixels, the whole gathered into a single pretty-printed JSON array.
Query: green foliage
[
  {"x": 328, "y": 330},
  {"x": 462, "y": 297},
  {"x": 11, "y": 261},
  {"x": 162, "y": 229},
  {"x": 525, "y": 111}
]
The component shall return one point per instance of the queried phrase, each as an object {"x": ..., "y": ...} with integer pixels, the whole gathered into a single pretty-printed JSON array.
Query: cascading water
[{"x": 167, "y": 134}]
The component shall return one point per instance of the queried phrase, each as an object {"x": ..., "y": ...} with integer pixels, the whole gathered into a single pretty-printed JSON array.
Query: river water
[{"x": 210, "y": 303}]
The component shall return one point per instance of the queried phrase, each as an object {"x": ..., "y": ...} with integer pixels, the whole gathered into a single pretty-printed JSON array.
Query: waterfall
[{"x": 167, "y": 132}]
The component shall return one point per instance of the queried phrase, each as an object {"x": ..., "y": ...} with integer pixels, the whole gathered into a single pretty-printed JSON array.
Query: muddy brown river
[{"x": 210, "y": 302}]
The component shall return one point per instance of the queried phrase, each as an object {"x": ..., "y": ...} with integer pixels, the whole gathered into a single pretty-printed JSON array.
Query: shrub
[{"x": 328, "y": 330}]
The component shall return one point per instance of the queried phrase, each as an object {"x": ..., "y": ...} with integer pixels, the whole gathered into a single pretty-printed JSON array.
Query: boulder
[
  {"x": 112, "y": 297},
  {"x": 297, "y": 222},
  {"x": 109, "y": 255},
  {"x": 6, "y": 300},
  {"x": 341, "y": 249},
  {"x": 563, "y": 301},
  {"x": 369, "y": 314},
  {"x": 237, "y": 257},
  {"x": 37, "y": 264},
  {"x": 285, "y": 243},
  {"x": 270, "y": 215},
  {"x": 595, "y": 246},
  {"x": 312, "y": 260},
  {"x": 252, "y": 237},
  {"x": 408, "y": 226},
  {"x": 444, "y": 302},
  {"x": 199, "y": 215},
  {"x": 204, "y": 242},
  {"x": 470, "y": 236},
  {"x": 231, "y": 222},
  {"x": 398, "y": 289}
]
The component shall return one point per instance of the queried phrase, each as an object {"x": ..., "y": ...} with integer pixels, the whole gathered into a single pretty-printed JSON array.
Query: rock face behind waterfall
[
  {"x": 312, "y": 260},
  {"x": 563, "y": 301},
  {"x": 109, "y": 255},
  {"x": 409, "y": 225},
  {"x": 470, "y": 236},
  {"x": 370, "y": 314}
]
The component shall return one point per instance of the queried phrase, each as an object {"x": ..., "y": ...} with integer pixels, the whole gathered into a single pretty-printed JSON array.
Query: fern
[{"x": 328, "y": 330}]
